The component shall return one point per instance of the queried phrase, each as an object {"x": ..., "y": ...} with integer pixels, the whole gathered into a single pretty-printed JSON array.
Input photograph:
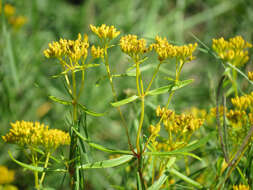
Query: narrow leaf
[
  {"x": 59, "y": 100},
  {"x": 100, "y": 147},
  {"x": 108, "y": 163},
  {"x": 27, "y": 166},
  {"x": 124, "y": 101},
  {"x": 89, "y": 112},
  {"x": 185, "y": 178},
  {"x": 164, "y": 176},
  {"x": 169, "y": 88}
]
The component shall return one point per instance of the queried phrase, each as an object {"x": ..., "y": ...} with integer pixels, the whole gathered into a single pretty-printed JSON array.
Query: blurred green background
[{"x": 26, "y": 75}]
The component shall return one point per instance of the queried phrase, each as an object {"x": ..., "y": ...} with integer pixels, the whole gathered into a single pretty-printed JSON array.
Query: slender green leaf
[
  {"x": 185, "y": 178},
  {"x": 173, "y": 153},
  {"x": 169, "y": 88},
  {"x": 27, "y": 166},
  {"x": 240, "y": 72},
  {"x": 186, "y": 150},
  {"x": 125, "y": 101},
  {"x": 59, "y": 100},
  {"x": 89, "y": 112},
  {"x": 164, "y": 176},
  {"x": 100, "y": 147},
  {"x": 108, "y": 163}
]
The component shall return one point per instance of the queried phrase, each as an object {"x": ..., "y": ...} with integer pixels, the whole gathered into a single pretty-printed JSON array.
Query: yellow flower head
[
  {"x": 243, "y": 102},
  {"x": 9, "y": 10},
  {"x": 105, "y": 32},
  {"x": 6, "y": 176},
  {"x": 233, "y": 50},
  {"x": 69, "y": 52},
  {"x": 35, "y": 134},
  {"x": 237, "y": 118},
  {"x": 179, "y": 122},
  {"x": 166, "y": 50},
  {"x": 250, "y": 76},
  {"x": 133, "y": 46},
  {"x": 97, "y": 52},
  {"x": 241, "y": 187},
  {"x": 18, "y": 21}
]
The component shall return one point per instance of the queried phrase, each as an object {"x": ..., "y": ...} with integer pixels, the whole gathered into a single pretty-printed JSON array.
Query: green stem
[
  {"x": 234, "y": 81},
  {"x": 137, "y": 78},
  {"x": 106, "y": 62},
  {"x": 74, "y": 97},
  {"x": 36, "y": 175},
  {"x": 82, "y": 84},
  {"x": 140, "y": 126},
  {"x": 153, "y": 77},
  {"x": 45, "y": 166}
]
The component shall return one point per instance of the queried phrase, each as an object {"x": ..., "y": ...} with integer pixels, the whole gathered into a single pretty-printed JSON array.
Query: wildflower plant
[{"x": 156, "y": 152}]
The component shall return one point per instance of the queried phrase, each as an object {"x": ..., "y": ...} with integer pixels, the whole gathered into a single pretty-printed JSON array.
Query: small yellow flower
[
  {"x": 6, "y": 176},
  {"x": 133, "y": 46},
  {"x": 9, "y": 10},
  {"x": 241, "y": 187},
  {"x": 233, "y": 50},
  {"x": 18, "y": 22},
  {"x": 105, "y": 32},
  {"x": 250, "y": 76},
  {"x": 97, "y": 52}
]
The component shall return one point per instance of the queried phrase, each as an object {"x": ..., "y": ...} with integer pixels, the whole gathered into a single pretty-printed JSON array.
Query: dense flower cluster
[
  {"x": 179, "y": 127},
  {"x": 233, "y": 50},
  {"x": 241, "y": 187},
  {"x": 71, "y": 50},
  {"x": 35, "y": 134},
  {"x": 75, "y": 49},
  {"x": 6, "y": 176},
  {"x": 181, "y": 123},
  {"x": 166, "y": 50},
  {"x": 97, "y": 52},
  {"x": 133, "y": 46},
  {"x": 243, "y": 102},
  {"x": 105, "y": 32}
]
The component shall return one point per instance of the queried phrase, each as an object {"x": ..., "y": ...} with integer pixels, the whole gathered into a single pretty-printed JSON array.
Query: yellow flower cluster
[
  {"x": 237, "y": 118},
  {"x": 15, "y": 21},
  {"x": 97, "y": 52},
  {"x": 181, "y": 123},
  {"x": 105, "y": 32},
  {"x": 35, "y": 134},
  {"x": 233, "y": 50},
  {"x": 178, "y": 126},
  {"x": 250, "y": 76},
  {"x": 241, "y": 187},
  {"x": 166, "y": 50},
  {"x": 132, "y": 46},
  {"x": 6, "y": 176},
  {"x": 243, "y": 102},
  {"x": 71, "y": 49}
]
